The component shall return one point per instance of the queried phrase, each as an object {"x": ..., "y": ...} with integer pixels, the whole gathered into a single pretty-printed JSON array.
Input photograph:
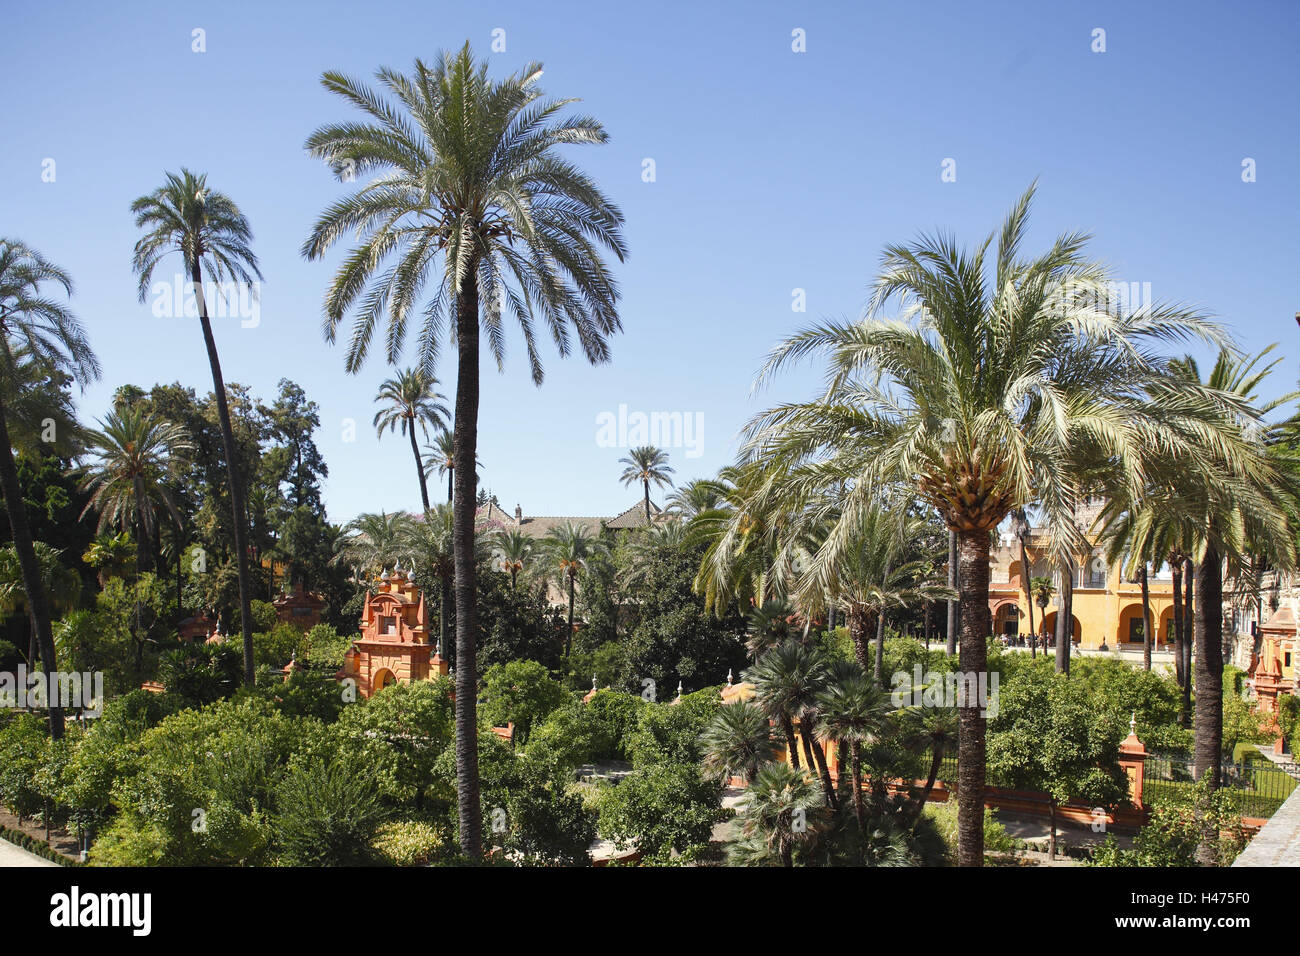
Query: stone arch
[{"x": 1049, "y": 627}]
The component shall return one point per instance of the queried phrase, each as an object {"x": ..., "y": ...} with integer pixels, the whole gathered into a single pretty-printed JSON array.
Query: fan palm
[
  {"x": 644, "y": 465},
  {"x": 775, "y": 814},
  {"x": 40, "y": 332},
  {"x": 975, "y": 398},
  {"x": 769, "y": 627},
  {"x": 568, "y": 549},
  {"x": 787, "y": 681},
  {"x": 853, "y": 710},
  {"x": 736, "y": 742},
  {"x": 409, "y": 401},
  {"x": 211, "y": 235},
  {"x": 135, "y": 455},
  {"x": 470, "y": 195}
]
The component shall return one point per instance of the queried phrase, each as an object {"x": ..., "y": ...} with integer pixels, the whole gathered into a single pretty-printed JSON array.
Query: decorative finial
[
  {"x": 728, "y": 676},
  {"x": 679, "y": 689},
  {"x": 593, "y": 681},
  {"x": 1133, "y": 724}
]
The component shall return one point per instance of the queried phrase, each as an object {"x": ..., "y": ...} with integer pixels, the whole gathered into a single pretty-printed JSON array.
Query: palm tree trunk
[
  {"x": 443, "y": 603},
  {"x": 1176, "y": 570},
  {"x": 1208, "y": 747},
  {"x": 971, "y": 730},
  {"x": 419, "y": 467},
  {"x": 1029, "y": 597},
  {"x": 1051, "y": 838},
  {"x": 1209, "y": 667},
  {"x": 859, "y": 808},
  {"x": 232, "y": 472},
  {"x": 818, "y": 756},
  {"x": 1189, "y": 627},
  {"x": 38, "y": 602},
  {"x": 936, "y": 761},
  {"x": 1065, "y": 621},
  {"x": 929, "y": 613},
  {"x": 879, "y": 671},
  {"x": 464, "y": 452},
  {"x": 859, "y": 620},
  {"x": 143, "y": 557},
  {"x": 954, "y": 609},
  {"x": 451, "y": 473},
  {"x": 791, "y": 745},
  {"x": 1148, "y": 628},
  {"x": 568, "y": 637},
  {"x": 646, "y": 483}
]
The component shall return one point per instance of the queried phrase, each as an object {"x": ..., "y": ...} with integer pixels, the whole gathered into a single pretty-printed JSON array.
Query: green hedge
[{"x": 39, "y": 847}]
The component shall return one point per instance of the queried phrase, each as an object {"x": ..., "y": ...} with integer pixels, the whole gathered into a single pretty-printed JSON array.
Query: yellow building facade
[{"x": 1107, "y": 605}]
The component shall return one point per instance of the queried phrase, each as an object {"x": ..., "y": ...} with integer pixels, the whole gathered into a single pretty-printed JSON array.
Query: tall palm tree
[
  {"x": 440, "y": 456},
  {"x": 407, "y": 402},
  {"x": 853, "y": 710},
  {"x": 136, "y": 454},
  {"x": 211, "y": 235},
  {"x": 568, "y": 548},
  {"x": 646, "y": 464},
  {"x": 34, "y": 329},
  {"x": 736, "y": 742},
  {"x": 514, "y": 550},
  {"x": 469, "y": 193},
  {"x": 974, "y": 398}
]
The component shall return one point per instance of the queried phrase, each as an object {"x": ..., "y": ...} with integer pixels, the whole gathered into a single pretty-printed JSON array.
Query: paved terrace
[{"x": 1278, "y": 842}]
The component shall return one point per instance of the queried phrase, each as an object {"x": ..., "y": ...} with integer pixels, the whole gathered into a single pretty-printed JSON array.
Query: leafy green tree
[
  {"x": 660, "y": 810},
  {"x": 209, "y": 231},
  {"x": 326, "y": 812},
  {"x": 522, "y": 693},
  {"x": 1048, "y": 735},
  {"x": 36, "y": 329},
  {"x": 518, "y": 230}
]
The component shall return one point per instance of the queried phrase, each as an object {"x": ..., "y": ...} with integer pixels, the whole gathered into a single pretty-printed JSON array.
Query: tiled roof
[{"x": 539, "y": 526}]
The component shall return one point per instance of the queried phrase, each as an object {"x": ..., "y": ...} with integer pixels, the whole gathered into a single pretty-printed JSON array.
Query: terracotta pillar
[{"x": 1132, "y": 760}]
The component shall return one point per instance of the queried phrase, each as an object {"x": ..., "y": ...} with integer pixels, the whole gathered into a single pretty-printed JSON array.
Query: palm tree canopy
[
  {"x": 136, "y": 453},
  {"x": 467, "y": 183},
  {"x": 409, "y": 400},
  {"x": 203, "y": 225},
  {"x": 33, "y": 324},
  {"x": 646, "y": 464},
  {"x": 370, "y": 542},
  {"x": 982, "y": 393}
]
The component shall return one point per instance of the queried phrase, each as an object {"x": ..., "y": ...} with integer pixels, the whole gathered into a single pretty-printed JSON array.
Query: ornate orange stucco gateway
[{"x": 394, "y": 642}]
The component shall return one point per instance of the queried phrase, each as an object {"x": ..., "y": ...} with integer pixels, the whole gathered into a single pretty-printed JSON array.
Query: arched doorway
[
  {"x": 383, "y": 678},
  {"x": 1130, "y": 629},
  {"x": 1006, "y": 621},
  {"x": 1166, "y": 627}
]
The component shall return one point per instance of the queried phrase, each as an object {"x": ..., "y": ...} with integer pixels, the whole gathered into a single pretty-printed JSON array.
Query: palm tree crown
[
  {"x": 407, "y": 402},
  {"x": 135, "y": 454},
  {"x": 644, "y": 465}
]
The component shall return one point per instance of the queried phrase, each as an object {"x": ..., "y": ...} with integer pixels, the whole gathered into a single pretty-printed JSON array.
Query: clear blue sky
[{"x": 775, "y": 170}]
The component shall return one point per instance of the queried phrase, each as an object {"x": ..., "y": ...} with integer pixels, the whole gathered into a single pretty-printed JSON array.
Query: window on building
[
  {"x": 1094, "y": 573},
  {"x": 388, "y": 625}
]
